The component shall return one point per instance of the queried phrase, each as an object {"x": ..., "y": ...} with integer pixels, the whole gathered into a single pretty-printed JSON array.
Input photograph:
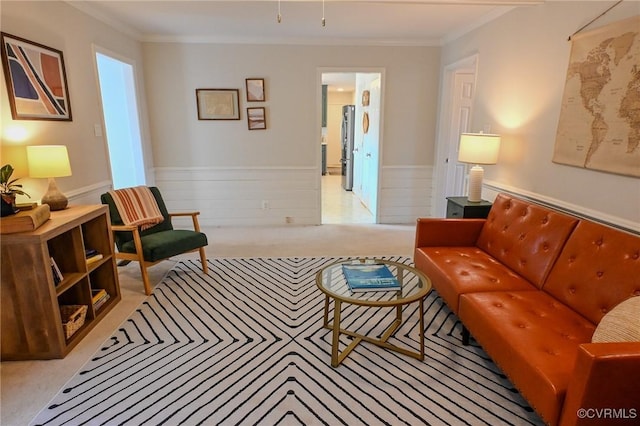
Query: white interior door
[
  {"x": 456, "y": 105},
  {"x": 462, "y": 103},
  {"x": 371, "y": 149}
]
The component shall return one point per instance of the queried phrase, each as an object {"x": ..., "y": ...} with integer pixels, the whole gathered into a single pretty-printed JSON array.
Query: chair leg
[
  {"x": 145, "y": 278},
  {"x": 143, "y": 266},
  {"x": 203, "y": 260}
]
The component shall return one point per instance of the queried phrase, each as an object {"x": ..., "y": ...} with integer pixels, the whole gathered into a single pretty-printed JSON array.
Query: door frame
[
  {"x": 315, "y": 141},
  {"x": 467, "y": 65}
]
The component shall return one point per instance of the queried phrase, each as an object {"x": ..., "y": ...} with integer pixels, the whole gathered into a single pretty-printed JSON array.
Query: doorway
[
  {"x": 121, "y": 119},
  {"x": 358, "y": 202}
]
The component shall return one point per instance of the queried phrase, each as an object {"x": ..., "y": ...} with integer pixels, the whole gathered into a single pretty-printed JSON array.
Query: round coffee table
[{"x": 414, "y": 288}]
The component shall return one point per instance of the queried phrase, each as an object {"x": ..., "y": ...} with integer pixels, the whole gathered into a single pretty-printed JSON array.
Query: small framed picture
[
  {"x": 218, "y": 104},
  {"x": 36, "y": 80},
  {"x": 256, "y": 118},
  {"x": 255, "y": 89}
]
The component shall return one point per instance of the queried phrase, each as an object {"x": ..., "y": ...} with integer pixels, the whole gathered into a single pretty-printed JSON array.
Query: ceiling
[{"x": 355, "y": 22}]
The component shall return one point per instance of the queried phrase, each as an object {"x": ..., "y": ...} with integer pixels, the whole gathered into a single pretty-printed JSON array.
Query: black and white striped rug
[{"x": 245, "y": 346}]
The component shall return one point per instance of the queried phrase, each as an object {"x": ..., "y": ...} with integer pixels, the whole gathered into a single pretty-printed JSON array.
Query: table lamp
[
  {"x": 50, "y": 161},
  {"x": 476, "y": 149}
]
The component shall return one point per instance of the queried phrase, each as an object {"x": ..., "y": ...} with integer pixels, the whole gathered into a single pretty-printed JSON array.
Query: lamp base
[
  {"x": 54, "y": 198},
  {"x": 476, "y": 174}
]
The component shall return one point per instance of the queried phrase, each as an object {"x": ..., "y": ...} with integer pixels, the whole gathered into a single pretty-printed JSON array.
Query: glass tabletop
[{"x": 414, "y": 285}]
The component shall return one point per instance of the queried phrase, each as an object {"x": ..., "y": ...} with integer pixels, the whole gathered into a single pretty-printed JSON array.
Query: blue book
[{"x": 369, "y": 277}]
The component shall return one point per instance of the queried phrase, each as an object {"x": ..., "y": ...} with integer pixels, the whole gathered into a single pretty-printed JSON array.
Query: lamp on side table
[
  {"x": 50, "y": 161},
  {"x": 478, "y": 148}
]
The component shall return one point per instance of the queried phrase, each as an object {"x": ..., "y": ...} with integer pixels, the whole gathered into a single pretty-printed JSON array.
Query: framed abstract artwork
[
  {"x": 36, "y": 80},
  {"x": 218, "y": 104},
  {"x": 255, "y": 89},
  {"x": 256, "y": 118}
]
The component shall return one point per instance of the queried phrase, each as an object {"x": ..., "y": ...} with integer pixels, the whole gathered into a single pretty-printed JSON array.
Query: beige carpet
[{"x": 27, "y": 386}]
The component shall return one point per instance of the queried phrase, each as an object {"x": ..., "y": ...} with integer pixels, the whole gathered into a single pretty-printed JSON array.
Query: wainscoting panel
[
  {"x": 405, "y": 193},
  {"x": 283, "y": 195},
  {"x": 243, "y": 196}
]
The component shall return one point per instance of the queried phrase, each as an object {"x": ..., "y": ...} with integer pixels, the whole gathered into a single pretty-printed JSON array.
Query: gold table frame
[{"x": 341, "y": 295}]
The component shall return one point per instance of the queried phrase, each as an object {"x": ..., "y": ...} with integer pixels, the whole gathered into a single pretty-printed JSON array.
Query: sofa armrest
[
  {"x": 604, "y": 388},
  {"x": 439, "y": 232}
]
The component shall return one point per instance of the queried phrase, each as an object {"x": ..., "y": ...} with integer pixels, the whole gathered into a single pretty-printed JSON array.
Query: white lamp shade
[
  {"x": 479, "y": 148},
  {"x": 46, "y": 161}
]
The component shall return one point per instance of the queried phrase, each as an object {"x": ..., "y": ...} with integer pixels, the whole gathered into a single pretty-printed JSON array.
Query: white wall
[
  {"x": 523, "y": 57},
  {"x": 227, "y": 172},
  {"x": 60, "y": 26}
]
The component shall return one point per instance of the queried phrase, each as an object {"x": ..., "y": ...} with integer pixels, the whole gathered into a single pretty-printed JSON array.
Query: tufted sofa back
[
  {"x": 526, "y": 237},
  {"x": 598, "y": 268}
]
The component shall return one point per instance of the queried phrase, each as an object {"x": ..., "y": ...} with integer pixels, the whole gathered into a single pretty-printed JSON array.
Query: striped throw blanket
[{"x": 137, "y": 206}]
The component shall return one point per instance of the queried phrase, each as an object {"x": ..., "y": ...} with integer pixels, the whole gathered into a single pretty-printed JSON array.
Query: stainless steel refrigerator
[{"x": 346, "y": 159}]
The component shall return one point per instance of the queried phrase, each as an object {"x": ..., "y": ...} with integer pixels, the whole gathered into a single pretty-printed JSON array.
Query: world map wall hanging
[{"x": 599, "y": 126}]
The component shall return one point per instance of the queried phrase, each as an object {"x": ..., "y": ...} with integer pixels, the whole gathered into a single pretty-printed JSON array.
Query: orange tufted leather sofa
[{"x": 531, "y": 284}]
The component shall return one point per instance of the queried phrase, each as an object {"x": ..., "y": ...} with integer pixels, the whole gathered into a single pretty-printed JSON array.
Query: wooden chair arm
[
  {"x": 194, "y": 218},
  {"x": 184, "y": 214},
  {"x": 124, "y": 228}
]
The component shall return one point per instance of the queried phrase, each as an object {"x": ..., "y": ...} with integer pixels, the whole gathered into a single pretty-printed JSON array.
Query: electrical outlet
[{"x": 265, "y": 204}]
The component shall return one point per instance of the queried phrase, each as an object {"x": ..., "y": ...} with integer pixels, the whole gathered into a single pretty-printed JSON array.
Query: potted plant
[{"x": 8, "y": 190}]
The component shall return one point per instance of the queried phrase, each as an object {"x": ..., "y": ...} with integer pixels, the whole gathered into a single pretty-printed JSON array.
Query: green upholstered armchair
[{"x": 157, "y": 243}]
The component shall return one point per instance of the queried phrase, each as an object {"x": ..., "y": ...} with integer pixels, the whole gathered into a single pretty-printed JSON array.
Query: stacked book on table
[
  {"x": 369, "y": 277},
  {"x": 98, "y": 298},
  {"x": 25, "y": 220}
]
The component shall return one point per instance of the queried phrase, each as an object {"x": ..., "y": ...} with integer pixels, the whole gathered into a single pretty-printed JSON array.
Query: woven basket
[{"x": 73, "y": 317}]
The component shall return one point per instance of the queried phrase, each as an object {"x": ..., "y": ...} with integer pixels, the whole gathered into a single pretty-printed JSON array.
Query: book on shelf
[
  {"x": 94, "y": 258},
  {"x": 99, "y": 298},
  {"x": 370, "y": 277},
  {"x": 92, "y": 255},
  {"x": 88, "y": 252},
  {"x": 55, "y": 270}
]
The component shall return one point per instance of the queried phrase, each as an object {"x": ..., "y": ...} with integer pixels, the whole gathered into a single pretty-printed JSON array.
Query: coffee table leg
[
  {"x": 326, "y": 312},
  {"x": 336, "y": 333},
  {"x": 421, "y": 322}
]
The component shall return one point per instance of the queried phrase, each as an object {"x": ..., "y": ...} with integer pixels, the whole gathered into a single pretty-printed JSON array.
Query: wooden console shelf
[{"x": 31, "y": 299}]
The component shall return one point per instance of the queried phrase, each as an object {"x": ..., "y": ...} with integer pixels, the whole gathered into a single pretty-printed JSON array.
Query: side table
[{"x": 461, "y": 207}]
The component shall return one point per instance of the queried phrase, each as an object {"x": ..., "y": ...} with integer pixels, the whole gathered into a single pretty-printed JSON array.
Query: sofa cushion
[
  {"x": 621, "y": 324},
  {"x": 458, "y": 270},
  {"x": 533, "y": 338},
  {"x": 525, "y": 237},
  {"x": 598, "y": 269}
]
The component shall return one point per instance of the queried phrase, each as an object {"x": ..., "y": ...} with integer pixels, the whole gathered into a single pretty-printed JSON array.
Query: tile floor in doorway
[{"x": 340, "y": 206}]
